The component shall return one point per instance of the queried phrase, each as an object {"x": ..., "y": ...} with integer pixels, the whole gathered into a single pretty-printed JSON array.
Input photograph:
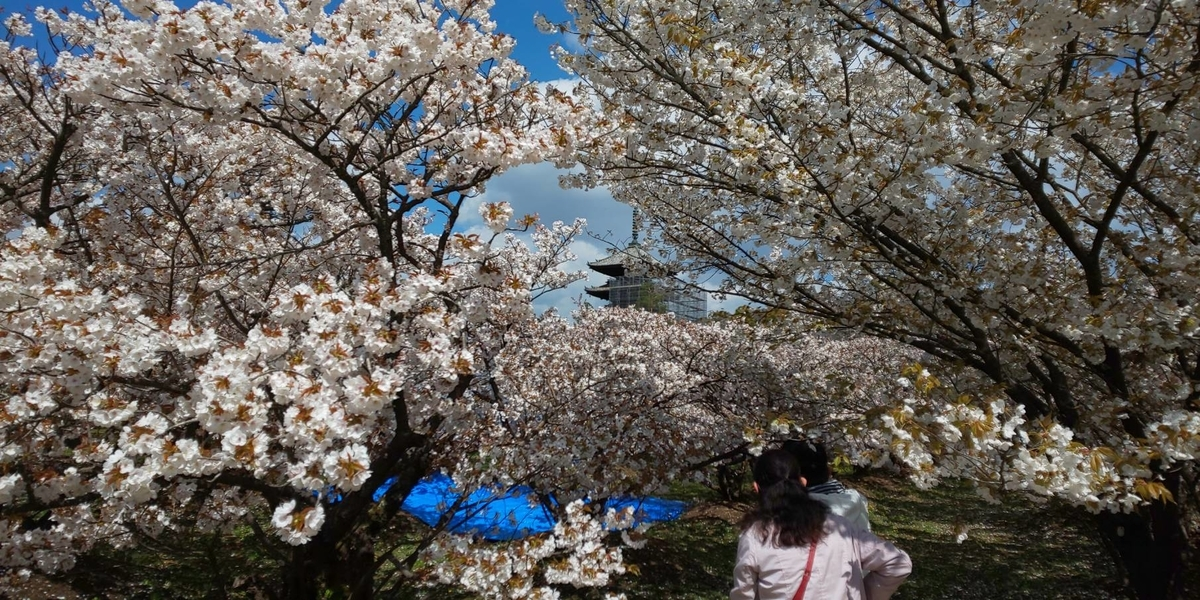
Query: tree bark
[
  {"x": 302, "y": 575},
  {"x": 1151, "y": 546}
]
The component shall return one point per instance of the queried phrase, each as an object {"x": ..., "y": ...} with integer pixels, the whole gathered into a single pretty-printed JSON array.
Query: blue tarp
[{"x": 508, "y": 514}]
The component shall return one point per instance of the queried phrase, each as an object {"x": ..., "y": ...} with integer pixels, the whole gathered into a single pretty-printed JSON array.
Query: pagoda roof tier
[
  {"x": 615, "y": 264},
  {"x": 600, "y": 292}
]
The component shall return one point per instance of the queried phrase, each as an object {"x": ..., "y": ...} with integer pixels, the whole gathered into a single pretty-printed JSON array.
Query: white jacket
[
  {"x": 849, "y": 504},
  {"x": 850, "y": 564}
]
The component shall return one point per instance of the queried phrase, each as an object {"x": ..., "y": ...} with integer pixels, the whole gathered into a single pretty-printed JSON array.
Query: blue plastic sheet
[{"x": 508, "y": 514}]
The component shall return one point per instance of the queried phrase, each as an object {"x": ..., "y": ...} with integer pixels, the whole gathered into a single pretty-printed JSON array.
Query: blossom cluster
[
  {"x": 575, "y": 553},
  {"x": 938, "y": 433},
  {"x": 626, "y": 401}
]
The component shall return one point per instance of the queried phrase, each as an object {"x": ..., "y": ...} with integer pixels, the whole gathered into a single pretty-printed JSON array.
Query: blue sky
[
  {"x": 530, "y": 188},
  {"x": 515, "y": 18}
]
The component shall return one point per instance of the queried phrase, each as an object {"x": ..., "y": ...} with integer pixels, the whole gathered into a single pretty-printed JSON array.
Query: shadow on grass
[
  {"x": 1013, "y": 551},
  {"x": 691, "y": 559}
]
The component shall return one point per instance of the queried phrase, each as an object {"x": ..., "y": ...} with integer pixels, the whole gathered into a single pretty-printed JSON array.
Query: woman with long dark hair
[{"x": 791, "y": 547}]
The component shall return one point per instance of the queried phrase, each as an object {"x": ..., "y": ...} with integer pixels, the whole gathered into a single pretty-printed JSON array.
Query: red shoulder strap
[{"x": 812, "y": 552}]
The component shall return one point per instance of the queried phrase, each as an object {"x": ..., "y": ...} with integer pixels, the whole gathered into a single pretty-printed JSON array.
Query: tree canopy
[{"x": 1008, "y": 186}]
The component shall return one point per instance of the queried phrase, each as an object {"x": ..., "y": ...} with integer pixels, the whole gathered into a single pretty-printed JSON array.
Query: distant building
[{"x": 637, "y": 280}]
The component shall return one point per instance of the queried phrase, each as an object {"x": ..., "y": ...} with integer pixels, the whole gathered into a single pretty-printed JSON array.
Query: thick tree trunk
[
  {"x": 355, "y": 571},
  {"x": 1151, "y": 546},
  {"x": 340, "y": 559},
  {"x": 324, "y": 568},
  {"x": 302, "y": 575}
]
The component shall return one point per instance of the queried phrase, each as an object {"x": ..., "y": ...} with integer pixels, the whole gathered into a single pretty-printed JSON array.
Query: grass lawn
[{"x": 1015, "y": 550}]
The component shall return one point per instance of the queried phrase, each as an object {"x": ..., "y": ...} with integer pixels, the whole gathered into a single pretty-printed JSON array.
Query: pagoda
[{"x": 636, "y": 279}]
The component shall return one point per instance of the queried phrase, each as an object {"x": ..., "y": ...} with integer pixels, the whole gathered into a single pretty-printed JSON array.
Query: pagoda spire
[{"x": 637, "y": 225}]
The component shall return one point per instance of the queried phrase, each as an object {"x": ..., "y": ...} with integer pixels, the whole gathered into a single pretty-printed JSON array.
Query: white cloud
[
  {"x": 573, "y": 42},
  {"x": 728, "y": 304},
  {"x": 566, "y": 85},
  {"x": 569, "y": 298},
  {"x": 534, "y": 189}
]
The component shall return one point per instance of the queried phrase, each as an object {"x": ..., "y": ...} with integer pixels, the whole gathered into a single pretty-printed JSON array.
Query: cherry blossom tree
[
  {"x": 1008, "y": 186},
  {"x": 235, "y": 282}
]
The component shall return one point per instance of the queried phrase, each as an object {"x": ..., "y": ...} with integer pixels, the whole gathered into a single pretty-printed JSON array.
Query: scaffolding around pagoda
[{"x": 636, "y": 279}]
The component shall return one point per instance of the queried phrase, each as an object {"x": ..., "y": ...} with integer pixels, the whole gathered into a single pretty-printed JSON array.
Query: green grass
[{"x": 1015, "y": 550}]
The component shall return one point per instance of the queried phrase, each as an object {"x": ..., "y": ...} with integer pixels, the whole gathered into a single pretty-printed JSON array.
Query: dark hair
[
  {"x": 785, "y": 511},
  {"x": 813, "y": 459}
]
